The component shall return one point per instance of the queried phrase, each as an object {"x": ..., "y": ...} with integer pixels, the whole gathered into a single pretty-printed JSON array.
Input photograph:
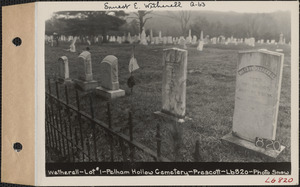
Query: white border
[{"x": 42, "y": 13}]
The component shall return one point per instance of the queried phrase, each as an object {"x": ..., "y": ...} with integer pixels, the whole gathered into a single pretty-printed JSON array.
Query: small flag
[{"x": 133, "y": 65}]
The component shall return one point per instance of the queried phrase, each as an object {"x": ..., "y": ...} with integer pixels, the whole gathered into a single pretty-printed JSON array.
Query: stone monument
[
  {"x": 174, "y": 84},
  {"x": 143, "y": 38},
  {"x": 84, "y": 72},
  {"x": 200, "y": 45},
  {"x": 257, "y": 93},
  {"x": 63, "y": 70},
  {"x": 109, "y": 78}
]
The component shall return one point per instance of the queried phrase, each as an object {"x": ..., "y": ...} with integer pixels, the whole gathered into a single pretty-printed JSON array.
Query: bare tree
[
  {"x": 184, "y": 18},
  {"x": 141, "y": 16},
  {"x": 251, "y": 24}
]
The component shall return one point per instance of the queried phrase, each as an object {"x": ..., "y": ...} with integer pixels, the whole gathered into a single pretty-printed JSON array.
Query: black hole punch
[
  {"x": 17, "y": 41},
  {"x": 18, "y": 147}
]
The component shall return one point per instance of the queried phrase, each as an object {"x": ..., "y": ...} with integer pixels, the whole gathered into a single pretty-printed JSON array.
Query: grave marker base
[
  {"x": 173, "y": 118},
  {"x": 86, "y": 85},
  {"x": 251, "y": 146},
  {"x": 64, "y": 81},
  {"x": 109, "y": 94}
]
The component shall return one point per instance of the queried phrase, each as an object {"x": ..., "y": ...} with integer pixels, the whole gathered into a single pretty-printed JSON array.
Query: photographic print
[{"x": 168, "y": 88}]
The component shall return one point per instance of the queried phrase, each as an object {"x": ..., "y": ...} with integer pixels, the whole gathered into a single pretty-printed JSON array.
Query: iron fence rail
[{"x": 72, "y": 143}]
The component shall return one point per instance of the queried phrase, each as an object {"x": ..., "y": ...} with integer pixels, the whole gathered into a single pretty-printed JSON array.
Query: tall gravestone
[
  {"x": 84, "y": 72},
  {"x": 201, "y": 36},
  {"x": 109, "y": 78},
  {"x": 143, "y": 38},
  {"x": 63, "y": 70},
  {"x": 72, "y": 46},
  {"x": 174, "y": 84},
  {"x": 257, "y": 93},
  {"x": 200, "y": 45}
]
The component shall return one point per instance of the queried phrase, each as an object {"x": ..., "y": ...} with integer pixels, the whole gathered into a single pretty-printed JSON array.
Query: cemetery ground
[{"x": 210, "y": 91}]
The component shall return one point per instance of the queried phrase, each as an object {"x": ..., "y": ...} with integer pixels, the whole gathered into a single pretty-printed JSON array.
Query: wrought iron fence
[{"x": 77, "y": 136}]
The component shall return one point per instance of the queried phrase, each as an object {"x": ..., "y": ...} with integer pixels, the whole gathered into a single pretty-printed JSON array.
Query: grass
[{"x": 209, "y": 103}]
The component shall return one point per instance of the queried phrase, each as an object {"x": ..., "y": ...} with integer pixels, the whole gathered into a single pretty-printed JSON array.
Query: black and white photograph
[
  {"x": 150, "y": 93},
  {"x": 167, "y": 86}
]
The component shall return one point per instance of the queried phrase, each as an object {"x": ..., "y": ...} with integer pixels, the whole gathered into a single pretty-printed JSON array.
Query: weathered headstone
[
  {"x": 157, "y": 40},
  {"x": 182, "y": 42},
  {"x": 200, "y": 45},
  {"x": 84, "y": 72},
  {"x": 143, "y": 38},
  {"x": 170, "y": 40},
  {"x": 257, "y": 94},
  {"x": 272, "y": 41},
  {"x": 174, "y": 84},
  {"x": 194, "y": 40},
  {"x": 165, "y": 40},
  {"x": 72, "y": 46},
  {"x": 109, "y": 78},
  {"x": 201, "y": 36},
  {"x": 63, "y": 69},
  {"x": 214, "y": 40}
]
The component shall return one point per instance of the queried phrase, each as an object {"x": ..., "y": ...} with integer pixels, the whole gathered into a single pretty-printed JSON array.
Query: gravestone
[
  {"x": 189, "y": 38},
  {"x": 200, "y": 45},
  {"x": 194, "y": 40},
  {"x": 252, "y": 42},
  {"x": 165, "y": 40},
  {"x": 257, "y": 93},
  {"x": 214, "y": 40},
  {"x": 63, "y": 70},
  {"x": 88, "y": 41},
  {"x": 109, "y": 78},
  {"x": 143, "y": 38},
  {"x": 170, "y": 40},
  {"x": 157, "y": 40},
  {"x": 201, "y": 36},
  {"x": 174, "y": 84},
  {"x": 182, "y": 42},
  {"x": 84, "y": 72}
]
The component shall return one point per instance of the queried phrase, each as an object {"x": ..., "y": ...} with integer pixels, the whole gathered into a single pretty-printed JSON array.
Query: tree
[
  {"x": 141, "y": 16},
  {"x": 183, "y": 17},
  {"x": 85, "y": 23},
  {"x": 201, "y": 24}
]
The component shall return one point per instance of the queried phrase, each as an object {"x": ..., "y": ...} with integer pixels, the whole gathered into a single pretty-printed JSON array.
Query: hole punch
[
  {"x": 17, "y": 147},
  {"x": 17, "y": 41}
]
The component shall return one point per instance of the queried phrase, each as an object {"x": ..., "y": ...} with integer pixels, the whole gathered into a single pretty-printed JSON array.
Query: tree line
[{"x": 93, "y": 23}]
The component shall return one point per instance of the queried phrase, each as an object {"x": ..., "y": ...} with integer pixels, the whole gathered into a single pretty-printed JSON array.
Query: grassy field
[{"x": 210, "y": 99}]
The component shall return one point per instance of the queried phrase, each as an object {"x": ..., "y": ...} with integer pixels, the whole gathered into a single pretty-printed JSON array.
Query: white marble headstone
[{"x": 257, "y": 93}]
